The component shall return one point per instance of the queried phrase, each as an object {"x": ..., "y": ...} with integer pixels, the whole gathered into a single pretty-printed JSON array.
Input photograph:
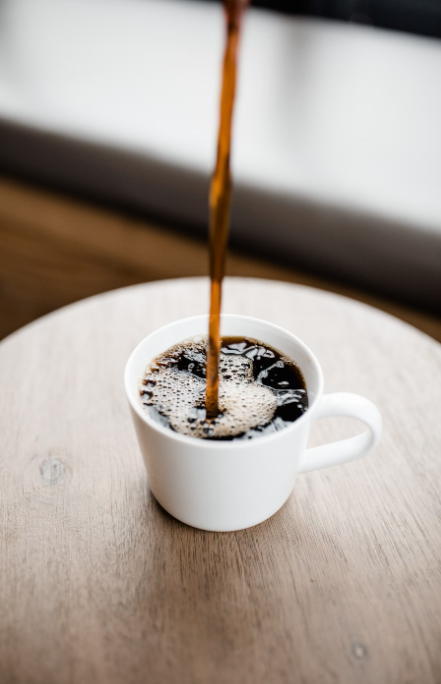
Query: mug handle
[{"x": 351, "y": 406}]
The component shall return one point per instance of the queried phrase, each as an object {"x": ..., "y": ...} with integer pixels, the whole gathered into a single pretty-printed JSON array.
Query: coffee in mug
[
  {"x": 261, "y": 390},
  {"x": 224, "y": 484}
]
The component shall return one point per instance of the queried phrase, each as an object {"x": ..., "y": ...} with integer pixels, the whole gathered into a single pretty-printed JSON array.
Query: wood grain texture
[
  {"x": 55, "y": 250},
  {"x": 99, "y": 584}
]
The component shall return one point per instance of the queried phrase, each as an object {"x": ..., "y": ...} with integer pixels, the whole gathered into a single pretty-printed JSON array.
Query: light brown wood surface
[
  {"x": 98, "y": 584},
  {"x": 55, "y": 250}
]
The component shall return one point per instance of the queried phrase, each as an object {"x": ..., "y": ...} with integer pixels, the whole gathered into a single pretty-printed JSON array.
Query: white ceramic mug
[{"x": 227, "y": 485}]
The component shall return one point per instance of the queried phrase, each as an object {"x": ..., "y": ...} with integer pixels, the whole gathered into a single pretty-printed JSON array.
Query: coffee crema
[{"x": 260, "y": 390}]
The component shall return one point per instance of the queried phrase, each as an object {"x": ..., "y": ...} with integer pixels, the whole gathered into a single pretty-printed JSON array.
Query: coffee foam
[{"x": 179, "y": 396}]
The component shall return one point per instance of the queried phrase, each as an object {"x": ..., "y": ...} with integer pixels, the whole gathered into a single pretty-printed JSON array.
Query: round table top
[{"x": 99, "y": 584}]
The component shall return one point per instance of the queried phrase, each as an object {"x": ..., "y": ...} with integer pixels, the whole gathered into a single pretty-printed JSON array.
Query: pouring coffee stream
[{"x": 220, "y": 197}]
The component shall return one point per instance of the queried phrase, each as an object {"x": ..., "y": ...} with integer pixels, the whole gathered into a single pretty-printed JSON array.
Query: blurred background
[{"x": 108, "y": 123}]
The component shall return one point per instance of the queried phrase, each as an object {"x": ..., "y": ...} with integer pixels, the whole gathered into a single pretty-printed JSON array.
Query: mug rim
[{"x": 222, "y": 444}]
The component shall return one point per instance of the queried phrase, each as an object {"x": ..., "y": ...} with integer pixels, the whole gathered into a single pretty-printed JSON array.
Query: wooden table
[{"x": 99, "y": 584}]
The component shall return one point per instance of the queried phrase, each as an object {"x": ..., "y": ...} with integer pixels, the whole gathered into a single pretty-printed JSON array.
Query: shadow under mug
[{"x": 230, "y": 485}]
